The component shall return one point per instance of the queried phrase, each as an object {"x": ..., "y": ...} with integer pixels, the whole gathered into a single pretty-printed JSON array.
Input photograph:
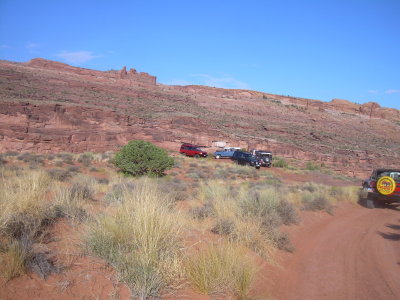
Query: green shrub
[{"x": 142, "y": 158}]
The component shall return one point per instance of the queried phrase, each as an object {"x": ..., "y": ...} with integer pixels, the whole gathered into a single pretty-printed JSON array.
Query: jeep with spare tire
[{"x": 382, "y": 187}]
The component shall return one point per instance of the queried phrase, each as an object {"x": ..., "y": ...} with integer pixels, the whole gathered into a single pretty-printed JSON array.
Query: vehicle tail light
[{"x": 372, "y": 184}]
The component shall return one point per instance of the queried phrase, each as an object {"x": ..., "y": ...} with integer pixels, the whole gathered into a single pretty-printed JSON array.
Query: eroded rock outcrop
[{"x": 48, "y": 106}]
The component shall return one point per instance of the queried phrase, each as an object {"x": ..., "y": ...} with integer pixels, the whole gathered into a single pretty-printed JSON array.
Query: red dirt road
[{"x": 354, "y": 254}]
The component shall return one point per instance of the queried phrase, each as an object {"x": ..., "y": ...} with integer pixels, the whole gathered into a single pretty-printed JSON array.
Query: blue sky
[{"x": 313, "y": 49}]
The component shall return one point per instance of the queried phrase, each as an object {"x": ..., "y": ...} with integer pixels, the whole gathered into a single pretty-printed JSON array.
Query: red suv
[{"x": 192, "y": 150}]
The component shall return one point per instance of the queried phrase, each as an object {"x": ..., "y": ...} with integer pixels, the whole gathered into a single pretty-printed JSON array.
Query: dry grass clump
[
  {"x": 250, "y": 217},
  {"x": 86, "y": 158},
  {"x": 175, "y": 187},
  {"x": 59, "y": 174},
  {"x": 67, "y": 158},
  {"x": 141, "y": 238},
  {"x": 316, "y": 197},
  {"x": 23, "y": 207},
  {"x": 119, "y": 189},
  {"x": 317, "y": 202},
  {"x": 72, "y": 201},
  {"x": 345, "y": 193},
  {"x": 221, "y": 270},
  {"x": 15, "y": 258},
  {"x": 24, "y": 217}
]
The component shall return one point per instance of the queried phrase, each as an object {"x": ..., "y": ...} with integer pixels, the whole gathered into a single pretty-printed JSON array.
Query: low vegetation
[
  {"x": 222, "y": 269},
  {"x": 142, "y": 158},
  {"x": 24, "y": 217},
  {"x": 144, "y": 227},
  {"x": 141, "y": 239}
]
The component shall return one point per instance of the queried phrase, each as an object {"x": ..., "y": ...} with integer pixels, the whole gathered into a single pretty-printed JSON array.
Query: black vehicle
[
  {"x": 265, "y": 157},
  {"x": 383, "y": 186},
  {"x": 246, "y": 158}
]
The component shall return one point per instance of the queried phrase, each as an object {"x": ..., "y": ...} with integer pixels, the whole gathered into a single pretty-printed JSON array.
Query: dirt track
[{"x": 352, "y": 255}]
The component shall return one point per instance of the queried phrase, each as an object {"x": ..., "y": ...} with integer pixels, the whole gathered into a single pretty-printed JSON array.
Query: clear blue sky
[{"x": 314, "y": 49}]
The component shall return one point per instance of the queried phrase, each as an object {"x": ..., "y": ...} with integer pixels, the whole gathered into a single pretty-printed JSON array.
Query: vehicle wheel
[
  {"x": 370, "y": 203},
  {"x": 257, "y": 167},
  {"x": 196, "y": 156},
  {"x": 218, "y": 157}
]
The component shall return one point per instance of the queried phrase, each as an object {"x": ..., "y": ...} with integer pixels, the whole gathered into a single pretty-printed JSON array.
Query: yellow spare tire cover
[{"x": 386, "y": 185}]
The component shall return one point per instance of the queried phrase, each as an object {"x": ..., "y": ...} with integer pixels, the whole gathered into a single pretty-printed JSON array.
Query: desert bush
[
  {"x": 287, "y": 212},
  {"x": 59, "y": 164},
  {"x": 311, "y": 187},
  {"x": 59, "y": 174},
  {"x": 86, "y": 158},
  {"x": 282, "y": 241},
  {"x": 66, "y": 158},
  {"x": 142, "y": 158},
  {"x": 73, "y": 169},
  {"x": 103, "y": 180},
  {"x": 2, "y": 161},
  {"x": 221, "y": 270},
  {"x": 49, "y": 156},
  {"x": 42, "y": 265},
  {"x": 82, "y": 190},
  {"x": 34, "y": 160},
  {"x": 11, "y": 153},
  {"x": 317, "y": 202},
  {"x": 142, "y": 240},
  {"x": 175, "y": 188},
  {"x": 246, "y": 217},
  {"x": 224, "y": 227},
  {"x": 312, "y": 167},
  {"x": 202, "y": 212},
  {"x": 105, "y": 156},
  {"x": 118, "y": 190},
  {"x": 346, "y": 193}
]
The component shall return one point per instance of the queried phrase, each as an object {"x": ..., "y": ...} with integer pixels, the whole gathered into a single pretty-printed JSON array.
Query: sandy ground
[{"x": 354, "y": 254}]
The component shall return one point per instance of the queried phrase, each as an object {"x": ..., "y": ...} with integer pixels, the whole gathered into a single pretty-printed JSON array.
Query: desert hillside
[{"x": 49, "y": 107}]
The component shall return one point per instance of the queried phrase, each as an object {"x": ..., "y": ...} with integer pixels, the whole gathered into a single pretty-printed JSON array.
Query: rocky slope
[{"x": 48, "y": 106}]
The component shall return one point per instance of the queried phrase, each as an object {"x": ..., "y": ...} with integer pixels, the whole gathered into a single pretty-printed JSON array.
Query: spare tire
[{"x": 386, "y": 185}]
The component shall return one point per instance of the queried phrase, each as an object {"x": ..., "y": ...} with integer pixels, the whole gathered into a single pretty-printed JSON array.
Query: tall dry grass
[
  {"x": 247, "y": 216},
  {"x": 222, "y": 269},
  {"x": 141, "y": 238},
  {"x": 315, "y": 196},
  {"x": 23, "y": 206},
  {"x": 25, "y": 214}
]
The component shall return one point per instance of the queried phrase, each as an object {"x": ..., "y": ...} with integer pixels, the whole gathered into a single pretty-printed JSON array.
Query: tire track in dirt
[{"x": 352, "y": 255}]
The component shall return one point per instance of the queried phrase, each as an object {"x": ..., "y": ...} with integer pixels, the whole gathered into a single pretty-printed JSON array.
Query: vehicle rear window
[{"x": 393, "y": 174}]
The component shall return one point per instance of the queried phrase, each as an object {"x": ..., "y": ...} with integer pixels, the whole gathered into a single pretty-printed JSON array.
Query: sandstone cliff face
[{"x": 52, "y": 107}]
